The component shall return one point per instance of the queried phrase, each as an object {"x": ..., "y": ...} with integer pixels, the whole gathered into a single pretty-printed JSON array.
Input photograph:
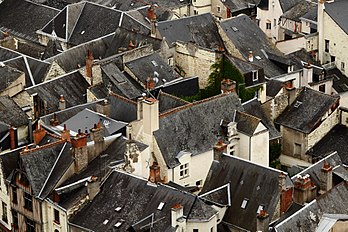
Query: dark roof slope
[
  {"x": 9, "y": 161},
  {"x": 306, "y": 112},
  {"x": 7, "y": 54},
  {"x": 299, "y": 10},
  {"x": 237, "y": 5},
  {"x": 24, "y": 18},
  {"x": 288, "y": 4},
  {"x": 335, "y": 140},
  {"x": 122, "y": 109},
  {"x": 73, "y": 86},
  {"x": 192, "y": 29},
  {"x": 257, "y": 184},
  {"x": 247, "y": 36},
  {"x": 254, "y": 108},
  {"x": 337, "y": 11},
  {"x": 137, "y": 200},
  {"x": 168, "y": 102},
  {"x": 273, "y": 87},
  {"x": 340, "y": 81},
  {"x": 11, "y": 113},
  {"x": 194, "y": 127},
  {"x": 7, "y": 76},
  {"x": 246, "y": 123}
]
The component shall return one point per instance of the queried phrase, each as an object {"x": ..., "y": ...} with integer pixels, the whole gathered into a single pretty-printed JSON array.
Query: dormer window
[
  {"x": 255, "y": 75},
  {"x": 244, "y": 203}
]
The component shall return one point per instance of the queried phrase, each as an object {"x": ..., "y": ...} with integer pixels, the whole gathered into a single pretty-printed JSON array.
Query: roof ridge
[
  {"x": 249, "y": 115},
  {"x": 177, "y": 109},
  {"x": 29, "y": 150},
  {"x": 122, "y": 98},
  {"x": 174, "y": 97}
]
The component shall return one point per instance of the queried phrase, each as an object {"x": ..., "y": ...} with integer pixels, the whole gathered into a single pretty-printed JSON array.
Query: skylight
[
  {"x": 118, "y": 209},
  {"x": 234, "y": 29},
  {"x": 259, "y": 209},
  {"x": 119, "y": 223},
  {"x": 154, "y": 63},
  {"x": 297, "y": 104},
  {"x": 244, "y": 203},
  {"x": 258, "y": 57},
  {"x": 105, "y": 222},
  {"x": 160, "y": 206}
]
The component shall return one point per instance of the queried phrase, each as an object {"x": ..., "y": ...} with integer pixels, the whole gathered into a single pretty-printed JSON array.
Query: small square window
[
  {"x": 255, "y": 75},
  {"x": 56, "y": 216},
  {"x": 28, "y": 201},
  {"x": 268, "y": 26},
  {"x": 218, "y": 8},
  {"x": 195, "y": 230},
  {"x": 184, "y": 170},
  {"x": 322, "y": 88},
  {"x": 327, "y": 45},
  {"x": 342, "y": 66},
  {"x": 199, "y": 183}
]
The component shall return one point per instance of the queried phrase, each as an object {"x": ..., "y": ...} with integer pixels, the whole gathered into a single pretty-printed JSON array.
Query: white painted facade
[
  {"x": 201, "y": 7},
  {"x": 6, "y": 217},
  {"x": 269, "y": 19},
  {"x": 49, "y": 209}
]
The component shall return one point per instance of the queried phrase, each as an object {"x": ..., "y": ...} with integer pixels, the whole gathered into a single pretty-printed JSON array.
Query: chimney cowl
[{"x": 251, "y": 57}]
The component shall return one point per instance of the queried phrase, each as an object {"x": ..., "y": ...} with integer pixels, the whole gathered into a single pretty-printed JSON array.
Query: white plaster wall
[
  {"x": 244, "y": 145},
  {"x": 260, "y": 148},
  {"x": 274, "y": 12},
  {"x": 292, "y": 45},
  {"x": 338, "y": 43},
  {"x": 48, "y": 217},
  {"x": 5, "y": 197},
  {"x": 323, "y": 129},
  {"x": 22, "y": 133},
  {"x": 199, "y": 166},
  {"x": 202, "y": 226},
  {"x": 201, "y": 6},
  {"x": 295, "y": 76},
  {"x": 328, "y": 87}
]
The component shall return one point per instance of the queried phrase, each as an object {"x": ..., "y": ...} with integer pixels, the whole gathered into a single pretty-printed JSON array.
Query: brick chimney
[
  {"x": 89, "y": 66},
  {"x": 177, "y": 212},
  {"x": 79, "y": 151},
  {"x": 62, "y": 104},
  {"x": 104, "y": 107},
  {"x": 228, "y": 86},
  {"x": 130, "y": 45},
  {"x": 251, "y": 56},
  {"x": 285, "y": 194},
  {"x": 262, "y": 221},
  {"x": 97, "y": 135},
  {"x": 54, "y": 121},
  {"x": 65, "y": 133},
  {"x": 304, "y": 189},
  {"x": 151, "y": 15},
  {"x": 325, "y": 178},
  {"x": 150, "y": 83},
  {"x": 38, "y": 134},
  {"x": 93, "y": 187},
  {"x": 219, "y": 148},
  {"x": 291, "y": 92},
  {"x": 155, "y": 173},
  {"x": 12, "y": 132}
]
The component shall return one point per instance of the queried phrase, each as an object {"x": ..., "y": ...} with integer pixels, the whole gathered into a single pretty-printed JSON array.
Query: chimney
[
  {"x": 326, "y": 178},
  {"x": 130, "y": 45},
  {"x": 304, "y": 189},
  {"x": 54, "y": 121},
  {"x": 150, "y": 83},
  {"x": 62, "y": 104},
  {"x": 155, "y": 173},
  {"x": 79, "y": 151},
  {"x": 6, "y": 34},
  {"x": 262, "y": 221},
  {"x": 177, "y": 215},
  {"x": 38, "y": 134},
  {"x": 89, "y": 65},
  {"x": 291, "y": 92},
  {"x": 251, "y": 57},
  {"x": 65, "y": 133},
  {"x": 12, "y": 132},
  {"x": 148, "y": 111},
  {"x": 228, "y": 86},
  {"x": 97, "y": 135},
  {"x": 219, "y": 148},
  {"x": 307, "y": 74},
  {"x": 151, "y": 15},
  {"x": 93, "y": 187},
  {"x": 104, "y": 107},
  {"x": 285, "y": 194}
]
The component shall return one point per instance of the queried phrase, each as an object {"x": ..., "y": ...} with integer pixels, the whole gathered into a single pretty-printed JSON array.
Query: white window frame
[
  {"x": 255, "y": 75},
  {"x": 184, "y": 170}
]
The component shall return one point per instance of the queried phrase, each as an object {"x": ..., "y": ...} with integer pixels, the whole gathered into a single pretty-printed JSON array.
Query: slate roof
[
  {"x": 123, "y": 109},
  {"x": 312, "y": 14},
  {"x": 256, "y": 183},
  {"x": 120, "y": 82},
  {"x": 299, "y": 10},
  {"x": 308, "y": 218},
  {"x": 73, "y": 86},
  {"x": 237, "y": 5},
  {"x": 82, "y": 28},
  {"x": 11, "y": 113},
  {"x": 150, "y": 66},
  {"x": 181, "y": 129},
  {"x": 24, "y": 18},
  {"x": 188, "y": 86},
  {"x": 246, "y": 123},
  {"x": 9, "y": 161},
  {"x": 7, "y": 54},
  {"x": 340, "y": 81},
  {"x": 254, "y": 108},
  {"x": 273, "y": 87},
  {"x": 334, "y": 140},
  {"x": 192, "y": 29},
  {"x": 53, "y": 48},
  {"x": 288, "y": 4},
  {"x": 307, "y": 110},
  {"x": 337, "y": 11},
  {"x": 86, "y": 119},
  {"x": 138, "y": 201},
  {"x": 7, "y": 76},
  {"x": 247, "y": 36},
  {"x": 246, "y": 67},
  {"x": 38, "y": 165},
  {"x": 168, "y": 102},
  {"x": 315, "y": 170}
]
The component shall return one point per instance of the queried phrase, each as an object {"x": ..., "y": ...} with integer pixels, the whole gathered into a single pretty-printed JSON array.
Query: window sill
[{"x": 183, "y": 177}]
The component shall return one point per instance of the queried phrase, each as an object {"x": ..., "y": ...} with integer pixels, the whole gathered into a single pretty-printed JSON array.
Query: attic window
[
  {"x": 244, "y": 203},
  {"x": 160, "y": 206},
  {"x": 258, "y": 57},
  {"x": 297, "y": 104},
  {"x": 105, "y": 222},
  {"x": 259, "y": 209},
  {"x": 154, "y": 63},
  {"x": 82, "y": 32},
  {"x": 234, "y": 29},
  {"x": 118, "y": 209},
  {"x": 119, "y": 223}
]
